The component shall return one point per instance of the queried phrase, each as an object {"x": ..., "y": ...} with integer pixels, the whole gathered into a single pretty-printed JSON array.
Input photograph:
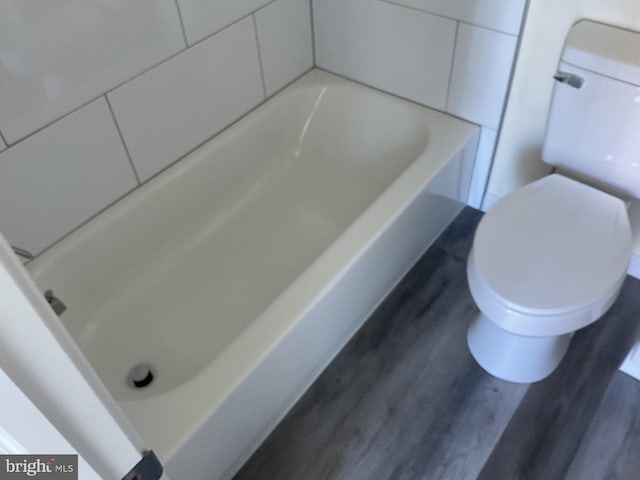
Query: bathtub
[{"x": 238, "y": 273}]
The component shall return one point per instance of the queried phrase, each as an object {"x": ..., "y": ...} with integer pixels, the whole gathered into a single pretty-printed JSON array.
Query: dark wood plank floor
[{"x": 404, "y": 399}]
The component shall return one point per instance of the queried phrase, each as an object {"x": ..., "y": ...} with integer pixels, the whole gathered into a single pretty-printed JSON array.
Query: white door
[
  {"x": 47, "y": 384},
  {"x": 25, "y": 430}
]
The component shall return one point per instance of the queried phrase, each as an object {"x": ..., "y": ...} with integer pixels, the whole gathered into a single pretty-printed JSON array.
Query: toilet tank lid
[{"x": 604, "y": 49}]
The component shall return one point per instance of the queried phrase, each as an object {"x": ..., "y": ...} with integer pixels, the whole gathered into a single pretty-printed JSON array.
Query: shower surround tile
[
  {"x": 393, "y": 48},
  {"x": 58, "y": 55},
  {"x": 204, "y": 17},
  {"x": 480, "y": 76},
  {"x": 166, "y": 112},
  {"x": 502, "y": 15},
  {"x": 451, "y": 55},
  {"x": 286, "y": 49},
  {"x": 58, "y": 178}
]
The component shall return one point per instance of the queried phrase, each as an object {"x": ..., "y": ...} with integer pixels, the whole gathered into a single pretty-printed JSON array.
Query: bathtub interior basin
[{"x": 224, "y": 262}]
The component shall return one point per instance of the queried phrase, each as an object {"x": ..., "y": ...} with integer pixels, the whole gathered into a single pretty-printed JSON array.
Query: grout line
[
  {"x": 262, "y": 7},
  {"x": 184, "y": 31},
  {"x": 112, "y": 89},
  {"x": 139, "y": 74},
  {"x": 84, "y": 222},
  {"x": 503, "y": 112},
  {"x": 124, "y": 144},
  {"x": 298, "y": 77},
  {"x": 264, "y": 83},
  {"x": 224, "y": 129},
  {"x": 391, "y": 2},
  {"x": 97, "y": 97},
  {"x": 244, "y": 17},
  {"x": 405, "y": 99},
  {"x": 453, "y": 61},
  {"x": 56, "y": 120},
  {"x": 152, "y": 177},
  {"x": 523, "y": 20},
  {"x": 220, "y": 132},
  {"x": 313, "y": 32},
  {"x": 488, "y": 28}
]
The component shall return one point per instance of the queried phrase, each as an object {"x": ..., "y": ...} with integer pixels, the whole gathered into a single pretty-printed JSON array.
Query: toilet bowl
[
  {"x": 550, "y": 258},
  {"x": 547, "y": 260}
]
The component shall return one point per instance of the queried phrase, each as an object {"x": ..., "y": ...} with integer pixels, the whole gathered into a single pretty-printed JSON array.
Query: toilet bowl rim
[
  {"x": 545, "y": 322},
  {"x": 600, "y": 283}
]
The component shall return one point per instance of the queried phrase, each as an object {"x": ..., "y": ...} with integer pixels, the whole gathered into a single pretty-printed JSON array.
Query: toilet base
[{"x": 515, "y": 358}]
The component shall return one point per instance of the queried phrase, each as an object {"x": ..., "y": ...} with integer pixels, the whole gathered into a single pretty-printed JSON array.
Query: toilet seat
[{"x": 550, "y": 257}]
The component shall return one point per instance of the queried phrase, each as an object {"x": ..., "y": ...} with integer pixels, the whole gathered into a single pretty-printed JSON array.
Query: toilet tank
[{"x": 593, "y": 130}]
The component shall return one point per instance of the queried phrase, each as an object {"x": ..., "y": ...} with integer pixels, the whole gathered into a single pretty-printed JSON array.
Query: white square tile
[
  {"x": 480, "y": 77},
  {"x": 171, "y": 109},
  {"x": 56, "y": 179},
  {"x": 503, "y": 15},
  {"x": 482, "y": 166},
  {"x": 204, "y": 17},
  {"x": 284, "y": 35},
  {"x": 58, "y": 55},
  {"x": 390, "y": 47}
]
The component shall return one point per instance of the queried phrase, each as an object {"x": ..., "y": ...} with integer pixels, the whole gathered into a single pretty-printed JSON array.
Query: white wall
[
  {"x": 517, "y": 159},
  {"x": 451, "y": 55},
  {"x": 98, "y": 97}
]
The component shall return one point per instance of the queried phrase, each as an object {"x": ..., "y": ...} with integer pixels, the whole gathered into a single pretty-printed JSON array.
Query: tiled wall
[
  {"x": 98, "y": 97},
  {"x": 452, "y": 55}
]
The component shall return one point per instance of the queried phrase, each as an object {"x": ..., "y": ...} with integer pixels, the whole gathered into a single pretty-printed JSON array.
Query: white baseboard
[
  {"x": 634, "y": 266},
  {"x": 631, "y": 365}
]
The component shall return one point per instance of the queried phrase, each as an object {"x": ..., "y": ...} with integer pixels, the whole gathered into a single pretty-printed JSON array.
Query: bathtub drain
[{"x": 141, "y": 375}]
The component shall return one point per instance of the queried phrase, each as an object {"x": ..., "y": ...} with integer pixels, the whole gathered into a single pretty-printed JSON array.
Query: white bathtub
[{"x": 242, "y": 270}]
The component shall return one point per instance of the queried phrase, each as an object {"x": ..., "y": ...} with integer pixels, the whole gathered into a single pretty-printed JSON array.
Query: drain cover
[{"x": 141, "y": 375}]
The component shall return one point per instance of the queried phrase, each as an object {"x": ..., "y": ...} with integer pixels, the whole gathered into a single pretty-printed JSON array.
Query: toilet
[{"x": 550, "y": 258}]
